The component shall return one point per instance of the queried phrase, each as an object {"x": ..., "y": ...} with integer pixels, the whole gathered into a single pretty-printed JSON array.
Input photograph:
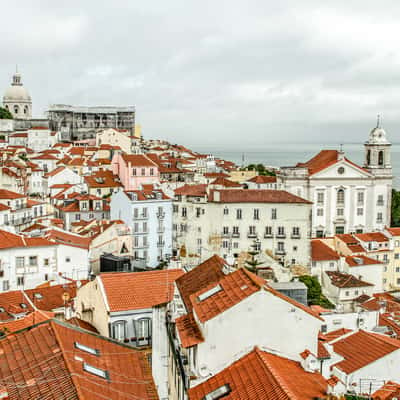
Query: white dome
[
  {"x": 378, "y": 136},
  {"x": 16, "y": 93}
]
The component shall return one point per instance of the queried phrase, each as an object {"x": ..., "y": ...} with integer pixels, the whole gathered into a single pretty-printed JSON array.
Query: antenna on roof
[
  {"x": 16, "y": 68},
  {"x": 341, "y": 147},
  {"x": 378, "y": 121}
]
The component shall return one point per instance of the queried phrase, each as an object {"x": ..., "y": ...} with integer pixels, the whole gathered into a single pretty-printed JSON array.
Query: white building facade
[{"x": 346, "y": 197}]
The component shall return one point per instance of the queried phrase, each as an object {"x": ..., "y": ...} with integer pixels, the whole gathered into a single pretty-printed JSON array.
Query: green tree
[
  {"x": 314, "y": 292},
  {"x": 260, "y": 168},
  {"x": 395, "y": 217},
  {"x": 5, "y": 114}
]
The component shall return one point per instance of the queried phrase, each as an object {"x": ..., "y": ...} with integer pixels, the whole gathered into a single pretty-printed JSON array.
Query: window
[
  {"x": 268, "y": 231},
  {"x": 33, "y": 260},
  {"x": 319, "y": 234},
  {"x": 360, "y": 197},
  {"x": 296, "y": 231},
  {"x": 46, "y": 261},
  {"x": 19, "y": 262},
  {"x": 347, "y": 293},
  {"x": 95, "y": 371},
  {"x": 144, "y": 212},
  {"x": 339, "y": 230},
  {"x": 320, "y": 212},
  {"x": 379, "y": 217},
  {"x": 143, "y": 171},
  {"x": 225, "y": 230},
  {"x": 252, "y": 230},
  {"x": 226, "y": 211},
  {"x": 134, "y": 172},
  {"x": 77, "y": 217},
  {"x": 360, "y": 211},
  {"x": 87, "y": 349},
  {"x": 320, "y": 198},
  {"x": 397, "y": 269},
  {"x": 239, "y": 213},
  {"x": 184, "y": 212},
  {"x": 20, "y": 280},
  {"x": 136, "y": 212},
  {"x": 281, "y": 231},
  {"x": 118, "y": 330},
  {"x": 235, "y": 230},
  {"x": 340, "y": 196},
  {"x": 397, "y": 256},
  {"x": 380, "y": 201},
  {"x": 256, "y": 214},
  {"x": 225, "y": 244},
  {"x": 380, "y": 158},
  {"x": 273, "y": 213},
  {"x": 281, "y": 246},
  {"x": 340, "y": 212},
  {"x": 175, "y": 208},
  {"x": 151, "y": 171},
  {"x": 6, "y": 285},
  {"x": 218, "y": 393}
]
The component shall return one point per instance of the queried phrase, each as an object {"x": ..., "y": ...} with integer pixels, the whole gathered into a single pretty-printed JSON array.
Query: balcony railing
[
  {"x": 236, "y": 235},
  {"x": 295, "y": 236},
  {"x": 268, "y": 235},
  {"x": 160, "y": 214},
  {"x": 280, "y": 252},
  {"x": 251, "y": 235},
  {"x": 281, "y": 235}
]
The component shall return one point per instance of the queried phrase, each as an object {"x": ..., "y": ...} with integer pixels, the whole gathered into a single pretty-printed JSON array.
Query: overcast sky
[{"x": 223, "y": 72}]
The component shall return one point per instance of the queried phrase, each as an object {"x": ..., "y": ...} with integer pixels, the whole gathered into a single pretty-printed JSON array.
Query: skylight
[
  {"x": 23, "y": 305},
  {"x": 87, "y": 349},
  {"x": 218, "y": 393},
  {"x": 209, "y": 293},
  {"x": 38, "y": 296},
  {"x": 95, "y": 371}
]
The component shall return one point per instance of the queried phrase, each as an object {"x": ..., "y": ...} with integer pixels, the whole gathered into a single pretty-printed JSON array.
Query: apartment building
[
  {"x": 148, "y": 213},
  {"x": 230, "y": 221}
]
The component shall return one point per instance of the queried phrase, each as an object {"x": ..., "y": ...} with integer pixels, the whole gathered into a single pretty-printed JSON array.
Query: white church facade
[{"x": 346, "y": 197}]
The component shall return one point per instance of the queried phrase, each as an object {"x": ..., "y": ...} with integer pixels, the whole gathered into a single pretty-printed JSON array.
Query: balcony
[
  {"x": 236, "y": 235},
  {"x": 161, "y": 244},
  {"x": 225, "y": 234},
  {"x": 268, "y": 235},
  {"x": 160, "y": 215},
  {"x": 295, "y": 236},
  {"x": 140, "y": 217},
  {"x": 281, "y": 236},
  {"x": 251, "y": 235},
  {"x": 280, "y": 252},
  {"x": 379, "y": 203}
]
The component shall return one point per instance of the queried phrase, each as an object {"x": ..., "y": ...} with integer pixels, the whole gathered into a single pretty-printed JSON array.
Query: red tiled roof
[
  {"x": 322, "y": 351},
  {"x": 260, "y": 179},
  {"x": 332, "y": 335},
  {"x": 255, "y": 196},
  {"x": 356, "y": 261},
  {"x": 54, "y": 172},
  {"x": 192, "y": 190},
  {"x": 372, "y": 237},
  {"x": 10, "y": 240},
  {"x": 206, "y": 273},
  {"x": 322, "y": 160},
  {"x": 188, "y": 330},
  {"x": 139, "y": 290},
  {"x": 216, "y": 175},
  {"x": 68, "y": 239},
  {"x": 3, "y": 207},
  {"x": 322, "y": 252},
  {"x": 44, "y": 362},
  {"x": 261, "y": 375},
  {"x": 101, "y": 179},
  {"x": 362, "y": 348},
  {"x": 225, "y": 182},
  {"x": 389, "y": 391},
  {"x": 394, "y": 231},
  {"x": 347, "y": 238},
  {"x": 342, "y": 280},
  {"x": 356, "y": 248},
  {"x": 8, "y": 194},
  {"x": 138, "y": 160}
]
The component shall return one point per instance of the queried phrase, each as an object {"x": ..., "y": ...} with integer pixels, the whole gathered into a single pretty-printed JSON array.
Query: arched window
[
  {"x": 380, "y": 158},
  {"x": 340, "y": 196},
  {"x": 118, "y": 330},
  {"x": 7, "y": 107},
  {"x": 16, "y": 109},
  {"x": 368, "y": 157},
  {"x": 143, "y": 331},
  {"x": 26, "y": 110}
]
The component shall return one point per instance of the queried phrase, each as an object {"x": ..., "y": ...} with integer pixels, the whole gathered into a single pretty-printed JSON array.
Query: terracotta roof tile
[
  {"x": 261, "y": 375},
  {"x": 389, "y": 391},
  {"x": 139, "y": 290},
  {"x": 260, "y": 179},
  {"x": 188, "y": 330},
  {"x": 192, "y": 190},
  {"x": 206, "y": 273},
  {"x": 356, "y": 261},
  {"x": 8, "y": 194},
  {"x": 322, "y": 252},
  {"x": 372, "y": 237},
  {"x": 138, "y": 160},
  {"x": 362, "y": 348},
  {"x": 255, "y": 196},
  {"x": 342, "y": 280}
]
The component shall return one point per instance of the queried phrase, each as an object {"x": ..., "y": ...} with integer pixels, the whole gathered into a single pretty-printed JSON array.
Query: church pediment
[{"x": 342, "y": 169}]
